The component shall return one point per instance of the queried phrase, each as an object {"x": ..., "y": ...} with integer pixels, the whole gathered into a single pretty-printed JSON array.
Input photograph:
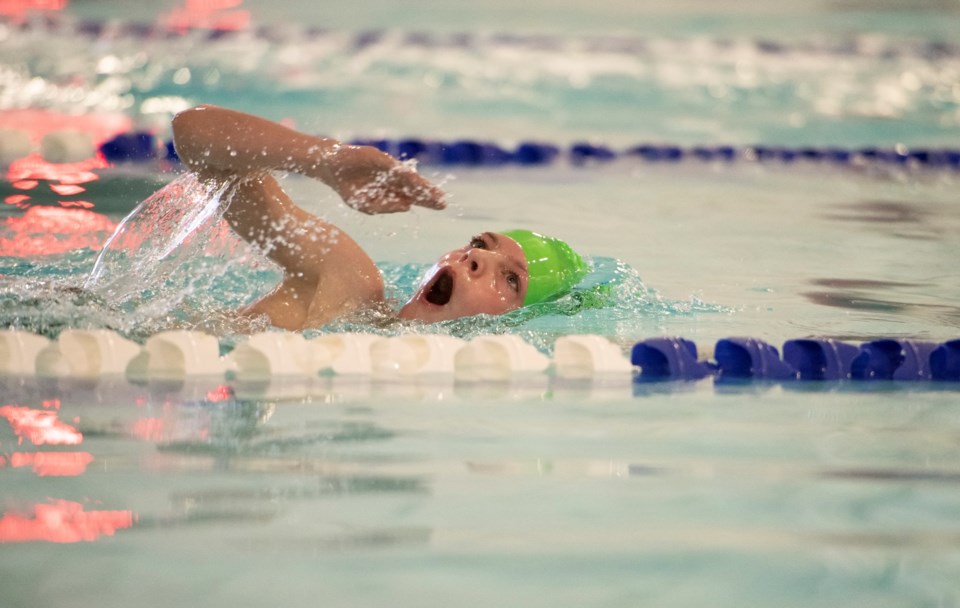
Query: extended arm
[
  {"x": 216, "y": 142},
  {"x": 325, "y": 271}
]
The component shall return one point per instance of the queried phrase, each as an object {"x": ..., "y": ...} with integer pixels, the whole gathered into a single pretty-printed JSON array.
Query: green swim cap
[{"x": 553, "y": 266}]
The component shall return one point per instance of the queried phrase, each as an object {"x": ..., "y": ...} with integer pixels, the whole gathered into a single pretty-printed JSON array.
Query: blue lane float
[
  {"x": 662, "y": 359},
  {"x": 533, "y": 153},
  {"x": 819, "y": 359},
  {"x": 583, "y": 152},
  {"x": 808, "y": 359},
  {"x": 740, "y": 359},
  {"x": 945, "y": 361},
  {"x": 139, "y": 146},
  {"x": 893, "y": 360}
]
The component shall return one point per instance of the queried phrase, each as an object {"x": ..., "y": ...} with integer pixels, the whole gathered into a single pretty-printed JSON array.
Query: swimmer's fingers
[
  {"x": 425, "y": 194},
  {"x": 396, "y": 191},
  {"x": 373, "y": 182}
]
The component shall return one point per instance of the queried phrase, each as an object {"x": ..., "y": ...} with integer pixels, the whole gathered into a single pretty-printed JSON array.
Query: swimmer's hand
[{"x": 373, "y": 182}]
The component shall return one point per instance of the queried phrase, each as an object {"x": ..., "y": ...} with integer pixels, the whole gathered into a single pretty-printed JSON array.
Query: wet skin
[
  {"x": 487, "y": 276},
  {"x": 326, "y": 274}
]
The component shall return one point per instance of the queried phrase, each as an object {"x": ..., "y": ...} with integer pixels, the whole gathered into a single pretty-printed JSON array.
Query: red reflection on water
[
  {"x": 62, "y": 521},
  {"x": 17, "y": 200},
  {"x": 207, "y": 14},
  {"x": 52, "y": 230},
  {"x": 38, "y": 123},
  {"x": 148, "y": 429},
  {"x": 67, "y": 189},
  {"x": 65, "y": 177},
  {"x": 41, "y": 427},
  {"x": 221, "y": 393},
  {"x": 33, "y": 167},
  {"x": 18, "y": 9},
  {"x": 51, "y": 464},
  {"x": 76, "y": 204},
  {"x": 45, "y": 427}
]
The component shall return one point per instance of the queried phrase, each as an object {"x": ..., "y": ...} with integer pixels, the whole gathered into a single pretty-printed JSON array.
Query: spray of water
[{"x": 173, "y": 261}]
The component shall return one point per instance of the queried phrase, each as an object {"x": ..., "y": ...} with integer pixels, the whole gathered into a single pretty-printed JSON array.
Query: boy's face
[{"x": 487, "y": 276}]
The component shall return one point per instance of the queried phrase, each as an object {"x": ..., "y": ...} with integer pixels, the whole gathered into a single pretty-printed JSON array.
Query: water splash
[
  {"x": 168, "y": 221},
  {"x": 173, "y": 262}
]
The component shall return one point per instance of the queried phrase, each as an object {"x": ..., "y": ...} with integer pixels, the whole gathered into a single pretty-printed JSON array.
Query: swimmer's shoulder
[{"x": 345, "y": 292}]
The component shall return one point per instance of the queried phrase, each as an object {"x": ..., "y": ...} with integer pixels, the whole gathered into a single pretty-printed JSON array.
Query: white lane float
[
  {"x": 343, "y": 354},
  {"x": 176, "y": 354},
  {"x": 498, "y": 358},
  {"x": 586, "y": 356},
  {"x": 271, "y": 353},
  {"x": 414, "y": 355},
  {"x": 81, "y": 353},
  {"x": 19, "y": 350}
]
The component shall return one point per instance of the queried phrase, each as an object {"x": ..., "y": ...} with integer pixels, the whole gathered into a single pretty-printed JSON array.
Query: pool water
[
  {"x": 678, "y": 497},
  {"x": 541, "y": 491}
]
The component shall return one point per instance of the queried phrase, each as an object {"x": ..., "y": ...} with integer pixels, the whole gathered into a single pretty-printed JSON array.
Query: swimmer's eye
[
  {"x": 513, "y": 279},
  {"x": 477, "y": 242}
]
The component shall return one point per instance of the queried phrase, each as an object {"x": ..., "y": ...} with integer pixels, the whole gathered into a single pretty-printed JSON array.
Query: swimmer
[{"x": 326, "y": 274}]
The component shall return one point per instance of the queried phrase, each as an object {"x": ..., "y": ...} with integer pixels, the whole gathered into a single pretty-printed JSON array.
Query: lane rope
[
  {"x": 276, "y": 354},
  {"x": 145, "y": 147}
]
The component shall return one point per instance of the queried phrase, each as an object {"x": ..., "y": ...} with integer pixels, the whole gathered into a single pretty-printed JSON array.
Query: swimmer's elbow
[
  {"x": 186, "y": 119},
  {"x": 190, "y": 133}
]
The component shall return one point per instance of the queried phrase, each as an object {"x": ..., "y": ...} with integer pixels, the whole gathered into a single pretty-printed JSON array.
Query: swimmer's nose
[{"x": 476, "y": 261}]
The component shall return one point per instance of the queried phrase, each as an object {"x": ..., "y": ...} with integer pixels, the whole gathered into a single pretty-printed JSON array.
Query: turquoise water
[
  {"x": 540, "y": 492},
  {"x": 796, "y": 498}
]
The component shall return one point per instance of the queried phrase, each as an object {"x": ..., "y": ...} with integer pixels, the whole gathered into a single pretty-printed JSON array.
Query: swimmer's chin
[{"x": 418, "y": 310}]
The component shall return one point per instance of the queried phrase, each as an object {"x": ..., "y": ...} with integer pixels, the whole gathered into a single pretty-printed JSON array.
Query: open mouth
[{"x": 442, "y": 288}]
